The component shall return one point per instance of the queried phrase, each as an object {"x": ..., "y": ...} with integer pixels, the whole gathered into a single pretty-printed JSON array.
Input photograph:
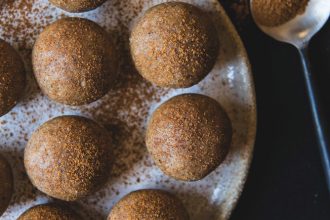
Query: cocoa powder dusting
[
  {"x": 276, "y": 12},
  {"x": 16, "y": 23}
]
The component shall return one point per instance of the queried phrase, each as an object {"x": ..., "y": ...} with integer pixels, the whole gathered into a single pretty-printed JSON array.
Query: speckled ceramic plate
[{"x": 125, "y": 110}]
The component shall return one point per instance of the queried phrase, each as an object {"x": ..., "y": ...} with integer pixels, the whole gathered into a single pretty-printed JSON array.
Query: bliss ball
[
  {"x": 68, "y": 157},
  {"x": 49, "y": 212},
  {"x": 74, "y": 61},
  {"x": 149, "y": 204},
  {"x": 77, "y": 5},
  {"x": 189, "y": 136},
  {"x": 6, "y": 183},
  {"x": 273, "y": 13},
  {"x": 174, "y": 45},
  {"x": 12, "y": 77}
]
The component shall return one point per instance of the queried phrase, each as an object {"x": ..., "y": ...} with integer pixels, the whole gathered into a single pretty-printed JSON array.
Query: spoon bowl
[{"x": 299, "y": 30}]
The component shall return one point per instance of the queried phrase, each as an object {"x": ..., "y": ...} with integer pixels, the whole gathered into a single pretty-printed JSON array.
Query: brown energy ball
[
  {"x": 149, "y": 204},
  {"x": 12, "y": 77},
  {"x": 273, "y": 13},
  {"x": 189, "y": 136},
  {"x": 174, "y": 45},
  {"x": 74, "y": 61},
  {"x": 68, "y": 157},
  {"x": 77, "y": 5},
  {"x": 6, "y": 184},
  {"x": 49, "y": 212}
]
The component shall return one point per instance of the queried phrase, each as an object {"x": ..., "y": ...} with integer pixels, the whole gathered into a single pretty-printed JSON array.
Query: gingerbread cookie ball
[
  {"x": 174, "y": 45},
  {"x": 77, "y": 5},
  {"x": 6, "y": 184},
  {"x": 12, "y": 77},
  {"x": 74, "y": 61},
  {"x": 149, "y": 204},
  {"x": 272, "y": 13},
  {"x": 68, "y": 157},
  {"x": 189, "y": 136},
  {"x": 49, "y": 212}
]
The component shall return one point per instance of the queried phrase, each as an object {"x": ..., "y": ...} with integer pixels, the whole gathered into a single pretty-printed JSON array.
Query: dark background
[{"x": 285, "y": 179}]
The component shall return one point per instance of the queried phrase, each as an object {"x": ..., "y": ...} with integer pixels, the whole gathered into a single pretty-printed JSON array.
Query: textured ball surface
[
  {"x": 74, "y": 61},
  {"x": 174, "y": 45},
  {"x": 6, "y": 184},
  {"x": 274, "y": 13},
  {"x": 77, "y": 5},
  {"x": 189, "y": 136},
  {"x": 12, "y": 77},
  {"x": 149, "y": 204},
  {"x": 49, "y": 212},
  {"x": 68, "y": 157}
]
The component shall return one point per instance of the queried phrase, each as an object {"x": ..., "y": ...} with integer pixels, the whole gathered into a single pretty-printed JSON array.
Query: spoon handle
[{"x": 317, "y": 115}]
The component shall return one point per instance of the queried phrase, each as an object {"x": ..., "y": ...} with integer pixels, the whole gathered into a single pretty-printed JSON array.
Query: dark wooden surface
[{"x": 286, "y": 178}]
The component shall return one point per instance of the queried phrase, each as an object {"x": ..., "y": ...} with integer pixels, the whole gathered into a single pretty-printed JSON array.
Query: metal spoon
[{"x": 298, "y": 32}]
